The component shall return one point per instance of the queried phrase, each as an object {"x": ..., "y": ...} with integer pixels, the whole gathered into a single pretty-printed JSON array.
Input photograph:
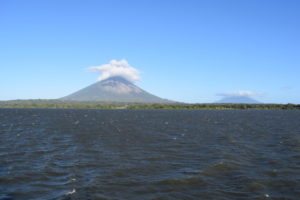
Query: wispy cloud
[
  {"x": 116, "y": 68},
  {"x": 286, "y": 87},
  {"x": 240, "y": 93}
]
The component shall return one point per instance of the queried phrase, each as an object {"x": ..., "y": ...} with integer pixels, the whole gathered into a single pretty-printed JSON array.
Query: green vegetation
[
  {"x": 41, "y": 103},
  {"x": 111, "y": 105},
  {"x": 220, "y": 106}
]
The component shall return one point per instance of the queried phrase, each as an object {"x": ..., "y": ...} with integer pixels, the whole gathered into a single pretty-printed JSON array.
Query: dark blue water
[{"x": 149, "y": 154}]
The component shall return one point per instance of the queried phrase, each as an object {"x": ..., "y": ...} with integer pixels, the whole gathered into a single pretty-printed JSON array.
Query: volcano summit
[{"x": 115, "y": 89}]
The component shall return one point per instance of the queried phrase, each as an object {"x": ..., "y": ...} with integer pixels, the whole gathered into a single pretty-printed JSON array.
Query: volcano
[{"x": 114, "y": 90}]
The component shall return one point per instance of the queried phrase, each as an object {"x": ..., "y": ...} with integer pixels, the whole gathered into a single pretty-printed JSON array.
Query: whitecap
[{"x": 71, "y": 192}]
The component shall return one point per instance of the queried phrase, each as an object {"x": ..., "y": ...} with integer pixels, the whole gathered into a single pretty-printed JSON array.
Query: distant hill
[
  {"x": 238, "y": 99},
  {"x": 114, "y": 89}
]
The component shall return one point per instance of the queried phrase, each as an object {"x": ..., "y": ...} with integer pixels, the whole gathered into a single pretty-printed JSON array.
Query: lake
[{"x": 65, "y": 154}]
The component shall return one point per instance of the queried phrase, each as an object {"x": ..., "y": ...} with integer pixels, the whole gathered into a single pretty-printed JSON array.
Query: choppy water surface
[{"x": 149, "y": 154}]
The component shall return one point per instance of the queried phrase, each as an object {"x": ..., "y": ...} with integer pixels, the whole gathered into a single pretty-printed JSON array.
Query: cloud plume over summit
[
  {"x": 240, "y": 93},
  {"x": 116, "y": 68}
]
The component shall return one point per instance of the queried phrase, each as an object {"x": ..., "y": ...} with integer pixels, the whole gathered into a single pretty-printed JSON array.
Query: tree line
[{"x": 115, "y": 105}]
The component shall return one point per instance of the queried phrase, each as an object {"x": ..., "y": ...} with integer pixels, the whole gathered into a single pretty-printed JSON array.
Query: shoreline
[{"x": 52, "y": 104}]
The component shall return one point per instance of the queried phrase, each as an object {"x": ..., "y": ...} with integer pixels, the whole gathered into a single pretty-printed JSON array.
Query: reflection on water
[{"x": 149, "y": 154}]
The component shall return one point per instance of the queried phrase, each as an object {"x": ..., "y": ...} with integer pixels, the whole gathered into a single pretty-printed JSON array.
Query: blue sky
[{"x": 186, "y": 50}]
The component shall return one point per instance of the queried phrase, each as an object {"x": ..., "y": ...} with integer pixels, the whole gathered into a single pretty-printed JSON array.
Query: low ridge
[{"x": 238, "y": 99}]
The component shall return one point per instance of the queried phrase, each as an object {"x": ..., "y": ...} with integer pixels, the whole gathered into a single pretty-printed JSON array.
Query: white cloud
[
  {"x": 116, "y": 68},
  {"x": 240, "y": 93}
]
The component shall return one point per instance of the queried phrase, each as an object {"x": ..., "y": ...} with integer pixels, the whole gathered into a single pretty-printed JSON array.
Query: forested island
[{"x": 112, "y": 105}]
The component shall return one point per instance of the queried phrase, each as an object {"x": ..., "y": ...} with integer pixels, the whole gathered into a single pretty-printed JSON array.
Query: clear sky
[{"x": 186, "y": 50}]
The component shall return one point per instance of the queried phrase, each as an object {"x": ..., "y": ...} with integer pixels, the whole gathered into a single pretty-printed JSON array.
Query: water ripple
[{"x": 149, "y": 154}]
